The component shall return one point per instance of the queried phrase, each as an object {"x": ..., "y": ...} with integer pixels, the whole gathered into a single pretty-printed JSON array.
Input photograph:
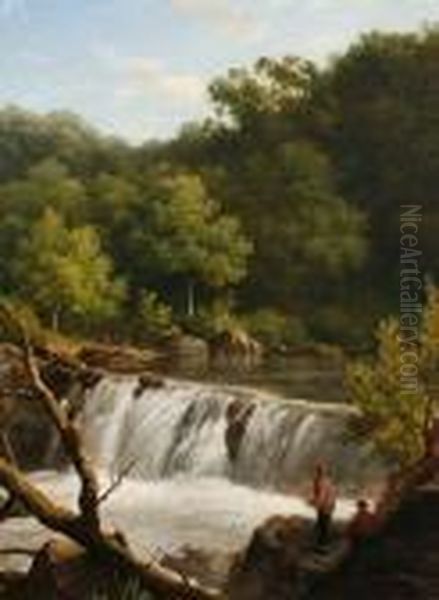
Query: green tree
[
  {"x": 23, "y": 202},
  {"x": 380, "y": 127},
  {"x": 258, "y": 160},
  {"x": 27, "y": 139},
  {"x": 265, "y": 98},
  {"x": 154, "y": 319},
  {"x": 188, "y": 238},
  {"x": 396, "y": 414},
  {"x": 65, "y": 272}
]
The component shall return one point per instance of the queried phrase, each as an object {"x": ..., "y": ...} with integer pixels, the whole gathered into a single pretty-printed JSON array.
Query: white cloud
[
  {"x": 138, "y": 76},
  {"x": 152, "y": 76},
  {"x": 224, "y": 15}
]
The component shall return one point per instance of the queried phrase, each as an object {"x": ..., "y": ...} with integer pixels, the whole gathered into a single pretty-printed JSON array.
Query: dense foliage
[
  {"x": 282, "y": 207},
  {"x": 396, "y": 412}
]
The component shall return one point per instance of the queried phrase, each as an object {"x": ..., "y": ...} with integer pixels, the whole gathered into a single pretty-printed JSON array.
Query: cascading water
[
  {"x": 193, "y": 430},
  {"x": 209, "y": 463}
]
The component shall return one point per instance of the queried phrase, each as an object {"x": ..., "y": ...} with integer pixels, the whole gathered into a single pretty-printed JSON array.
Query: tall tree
[
  {"x": 190, "y": 238},
  {"x": 65, "y": 273}
]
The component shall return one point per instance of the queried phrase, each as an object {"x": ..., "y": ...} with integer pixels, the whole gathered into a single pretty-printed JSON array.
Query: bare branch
[
  {"x": 117, "y": 482},
  {"x": 67, "y": 429},
  {"x": 7, "y": 446},
  {"x": 17, "y": 552}
]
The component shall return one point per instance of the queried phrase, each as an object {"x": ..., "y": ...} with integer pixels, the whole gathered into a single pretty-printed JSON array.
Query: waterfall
[
  {"x": 210, "y": 463},
  {"x": 193, "y": 430}
]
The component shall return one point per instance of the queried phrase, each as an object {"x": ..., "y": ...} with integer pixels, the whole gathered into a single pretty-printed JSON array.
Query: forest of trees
[{"x": 280, "y": 212}]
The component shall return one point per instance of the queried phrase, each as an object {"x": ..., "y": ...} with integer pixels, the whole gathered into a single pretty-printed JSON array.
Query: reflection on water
[{"x": 317, "y": 379}]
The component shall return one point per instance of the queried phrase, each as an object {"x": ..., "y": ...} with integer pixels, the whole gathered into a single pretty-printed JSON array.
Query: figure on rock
[{"x": 324, "y": 500}]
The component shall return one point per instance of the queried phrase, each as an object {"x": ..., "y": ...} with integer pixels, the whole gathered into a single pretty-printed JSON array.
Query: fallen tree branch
[
  {"x": 85, "y": 527},
  {"x": 7, "y": 446},
  {"x": 67, "y": 429},
  {"x": 105, "y": 546},
  {"x": 17, "y": 552}
]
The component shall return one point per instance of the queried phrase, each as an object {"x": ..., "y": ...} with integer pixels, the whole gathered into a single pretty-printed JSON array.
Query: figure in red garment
[
  {"x": 364, "y": 524},
  {"x": 324, "y": 499}
]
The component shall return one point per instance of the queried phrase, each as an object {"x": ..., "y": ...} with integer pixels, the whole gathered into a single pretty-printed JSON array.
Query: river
[{"x": 207, "y": 462}]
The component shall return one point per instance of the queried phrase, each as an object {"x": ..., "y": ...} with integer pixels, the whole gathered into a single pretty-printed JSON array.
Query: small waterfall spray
[{"x": 195, "y": 430}]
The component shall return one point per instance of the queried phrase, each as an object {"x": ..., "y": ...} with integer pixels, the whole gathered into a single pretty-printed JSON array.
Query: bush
[
  {"x": 28, "y": 317},
  {"x": 212, "y": 321},
  {"x": 154, "y": 320},
  {"x": 397, "y": 414},
  {"x": 274, "y": 329}
]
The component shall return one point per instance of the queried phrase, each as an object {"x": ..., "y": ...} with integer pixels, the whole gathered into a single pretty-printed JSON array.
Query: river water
[{"x": 206, "y": 463}]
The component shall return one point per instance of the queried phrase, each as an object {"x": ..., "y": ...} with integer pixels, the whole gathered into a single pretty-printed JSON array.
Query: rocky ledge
[{"x": 26, "y": 437}]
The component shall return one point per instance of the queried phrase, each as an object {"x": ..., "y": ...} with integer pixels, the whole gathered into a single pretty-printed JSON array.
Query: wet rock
[
  {"x": 90, "y": 377},
  {"x": 238, "y": 416},
  {"x": 26, "y": 435},
  {"x": 233, "y": 344},
  {"x": 268, "y": 569},
  {"x": 23, "y": 431},
  {"x": 188, "y": 348},
  {"x": 62, "y": 570},
  {"x": 148, "y": 381},
  {"x": 59, "y": 570}
]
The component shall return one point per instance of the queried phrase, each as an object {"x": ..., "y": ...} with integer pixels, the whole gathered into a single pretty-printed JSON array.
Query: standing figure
[
  {"x": 364, "y": 524},
  {"x": 324, "y": 499}
]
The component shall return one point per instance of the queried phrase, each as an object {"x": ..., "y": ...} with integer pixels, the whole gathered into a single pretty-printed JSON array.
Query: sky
[{"x": 140, "y": 68}]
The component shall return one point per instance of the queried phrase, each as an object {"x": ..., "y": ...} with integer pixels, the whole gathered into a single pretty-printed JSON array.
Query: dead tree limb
[
  {"x": 84, "y": 527},
  {"x": 103, "y": 497},
  {"x": 67, "y": 429},
  {"x": 7, "y": 446}
]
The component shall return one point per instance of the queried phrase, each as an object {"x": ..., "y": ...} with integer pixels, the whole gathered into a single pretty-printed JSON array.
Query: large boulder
[
  {"x": 238, "y": 415},
  {"x": 269, "y": 568},
  {"x": 235, "y": 344},
  {"x": 401, "y": 562},
  {"x": 26, "y": 435}
]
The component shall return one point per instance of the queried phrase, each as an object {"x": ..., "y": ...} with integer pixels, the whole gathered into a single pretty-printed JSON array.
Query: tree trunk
[
  {"x": 56, "y": 314},
  {"x": 191, "y": 308},
  {"x": 101, "y": 545}
]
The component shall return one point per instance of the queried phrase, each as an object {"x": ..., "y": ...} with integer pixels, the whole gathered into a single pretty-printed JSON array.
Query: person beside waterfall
[{"x": 324, "y": 500}]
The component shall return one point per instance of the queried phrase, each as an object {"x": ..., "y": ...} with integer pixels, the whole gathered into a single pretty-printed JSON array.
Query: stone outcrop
[
  {"x": 148, "y": 381},
  {"x": 401, "y": 563},
  {"x": 234, "y": 345},
  {"x": 26, "y": 436},
  {"x": 268, "y": 568}
]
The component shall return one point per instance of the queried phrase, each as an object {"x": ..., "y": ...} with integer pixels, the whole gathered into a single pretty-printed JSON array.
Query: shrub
[
  {"x": 395, "y": 416},
  {"x": 274, "y": 329},
  {"x": 154, "y": 320}
]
